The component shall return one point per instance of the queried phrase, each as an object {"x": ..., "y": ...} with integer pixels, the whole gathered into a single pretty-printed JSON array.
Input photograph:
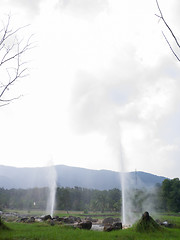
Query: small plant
[
  {"x": 85, "y": 211},
  {"x": 2, "y": 225},
  {"x": 147, "y": 224}
]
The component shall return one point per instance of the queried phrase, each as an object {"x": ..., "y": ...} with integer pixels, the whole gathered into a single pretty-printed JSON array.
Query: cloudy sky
[{"x": 103, "y": 87}]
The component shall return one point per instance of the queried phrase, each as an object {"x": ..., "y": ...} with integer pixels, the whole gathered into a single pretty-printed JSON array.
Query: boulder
[
  {"x": 46, "y": 217},
  {"x": 114, "y": 226},
  {"x": 27, "y": 220},
  {"x": 108, "y": 220},
  {"x": 24, "y": 219},
  {"x": 69, "y": 219},
  {"x": 61, "y": 219},
  {"x": 84, "y": 225},
  {"x": 38, "y": 219},
  {"x": 31, "y": 220},
  {"x": 56, "y": 218},
  {"x": 117, "y": 220}
]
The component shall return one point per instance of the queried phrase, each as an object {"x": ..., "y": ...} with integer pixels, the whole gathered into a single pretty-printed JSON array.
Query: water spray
[{"x": 52, "y": 177}]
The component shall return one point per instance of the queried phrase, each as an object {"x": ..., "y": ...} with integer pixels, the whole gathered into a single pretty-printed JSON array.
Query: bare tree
[
  {"x": 12, "y": 60},
  {"x": 161, "y": 17}
]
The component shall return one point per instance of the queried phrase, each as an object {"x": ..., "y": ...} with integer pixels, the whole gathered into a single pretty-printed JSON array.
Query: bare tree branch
[
  {"x": 161, "y": 17},
  {"x": 12, "y": 67},
  {"x": 171, "y": 47}
]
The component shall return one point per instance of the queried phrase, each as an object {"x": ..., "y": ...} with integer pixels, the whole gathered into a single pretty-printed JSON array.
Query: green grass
[
  {"x": 43, "y": 231},
  {"x": 62, "y": 213},
  {"x": 175, "y": 220}
]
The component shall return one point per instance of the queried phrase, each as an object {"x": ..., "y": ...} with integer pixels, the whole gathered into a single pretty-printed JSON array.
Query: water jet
[{"x": 51, "y": 176}]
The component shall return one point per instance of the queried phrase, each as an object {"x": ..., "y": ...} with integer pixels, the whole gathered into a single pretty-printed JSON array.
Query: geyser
[
  {"x": 123, "y": 182},
  {"x": 51, "y": 176},
  {"x": 98, "y": 106}
]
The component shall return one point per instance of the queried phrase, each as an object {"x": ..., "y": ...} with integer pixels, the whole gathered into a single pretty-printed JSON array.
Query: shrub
[{"x": 147, "y": 224}]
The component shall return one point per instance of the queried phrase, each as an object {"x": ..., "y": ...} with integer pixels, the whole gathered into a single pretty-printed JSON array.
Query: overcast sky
[{"x": 103, "y": 85}]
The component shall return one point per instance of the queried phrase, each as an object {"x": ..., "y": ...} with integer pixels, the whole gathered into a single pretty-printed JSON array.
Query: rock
[
  {"x": 108, "y": 220},
  {"x": 114, "y": 226},
  {"x": 94, "y": 220},
  {"x": 117, "y": 225},
  {"x": 71, "y": 219},
  {"x": 9, "y": 217},
  {"x": 166, "y": 224},
  {"x": 91, "y": 219},
  {"x": 61, "y": 219},
  {"x": 27, "y": 220},
  {"x": 38, "y": 219},
  {"x": 24, "y": 219},
  {"x": 117, "y": 220},
  {"x": 97, "y": 227},
  {"x": 78, "y": 219},
  {"x": 88, "y": 219},
  {"x": 46, "y": 217},
  {"x": 31, "y": 220},
  {"x": 84, "y": 225}
]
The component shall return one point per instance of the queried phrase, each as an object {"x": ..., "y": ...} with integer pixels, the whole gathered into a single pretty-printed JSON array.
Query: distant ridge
[{"x": 13, "y": 177}]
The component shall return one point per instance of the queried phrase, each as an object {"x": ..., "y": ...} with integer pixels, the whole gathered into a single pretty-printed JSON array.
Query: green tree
[
  {"x": 114, "y": 200},
  {"x": 171, "y": 194}
]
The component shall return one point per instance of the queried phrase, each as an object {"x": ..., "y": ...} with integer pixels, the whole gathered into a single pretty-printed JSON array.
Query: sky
[{"x": 102, "y": 90}]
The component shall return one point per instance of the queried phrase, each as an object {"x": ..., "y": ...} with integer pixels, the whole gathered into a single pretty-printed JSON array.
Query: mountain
[{"x": 12, "y": 177}]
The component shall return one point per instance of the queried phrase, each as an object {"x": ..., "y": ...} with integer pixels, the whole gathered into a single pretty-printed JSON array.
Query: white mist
[{"x": 51, "y": 177}]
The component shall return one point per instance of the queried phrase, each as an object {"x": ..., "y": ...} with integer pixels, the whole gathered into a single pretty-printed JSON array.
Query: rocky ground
[{"x": 107, "y": 224}]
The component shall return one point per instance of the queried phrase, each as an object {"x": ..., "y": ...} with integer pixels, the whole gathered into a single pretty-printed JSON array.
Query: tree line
[{"x": 164, "y": 197}]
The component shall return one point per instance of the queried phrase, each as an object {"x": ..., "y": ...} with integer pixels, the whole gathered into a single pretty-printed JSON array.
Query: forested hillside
[{"x": 165, "y": 197}]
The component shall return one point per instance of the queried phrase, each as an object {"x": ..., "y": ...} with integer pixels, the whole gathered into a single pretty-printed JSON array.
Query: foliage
[
  {"x": 171, "y": 194},
  {"x": 2, "y": 225},
  {"x": 23, "y": 199},
  {"x": 77, "y": 199},
  {"x": 147, "y": 224},
  {"x": 165, "y": 197},
  {"x": 81, "y": 199}
]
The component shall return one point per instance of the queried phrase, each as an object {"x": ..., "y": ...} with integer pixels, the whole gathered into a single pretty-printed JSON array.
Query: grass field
[
  {"x": 60, "y": 212},
  {"x": 43, "y": 231},
  {"x": 175, "y": 220}
]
